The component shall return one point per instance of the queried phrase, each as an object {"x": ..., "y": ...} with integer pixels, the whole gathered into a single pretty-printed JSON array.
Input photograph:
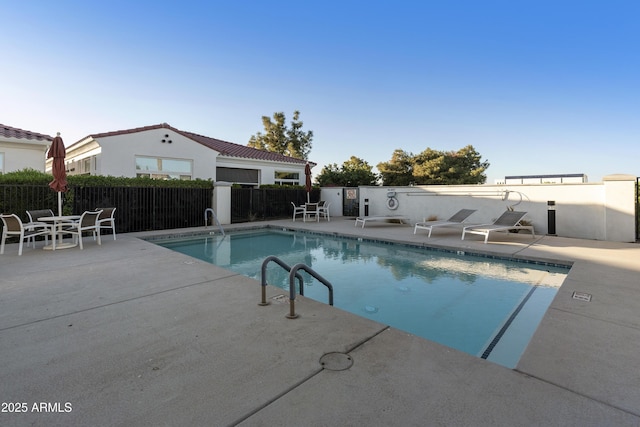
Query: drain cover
[
  {"x": 582, "y": 296},
  {"x": 336, "y": 361}
]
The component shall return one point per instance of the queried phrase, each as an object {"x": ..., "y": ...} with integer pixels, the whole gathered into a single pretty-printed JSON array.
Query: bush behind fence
[{"x": 138, "y": 208}]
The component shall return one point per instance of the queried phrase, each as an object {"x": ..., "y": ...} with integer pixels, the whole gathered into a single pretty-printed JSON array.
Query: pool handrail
[
  {"x": 292, "y": 291},
  {"x": 263, "y": 277},
  {"x": 215, "y": 218}
]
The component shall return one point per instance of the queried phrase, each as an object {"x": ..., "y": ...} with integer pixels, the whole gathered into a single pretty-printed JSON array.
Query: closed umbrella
[
  {"x": 59, "y": 183},
  {"x": 307, "y": 184}
]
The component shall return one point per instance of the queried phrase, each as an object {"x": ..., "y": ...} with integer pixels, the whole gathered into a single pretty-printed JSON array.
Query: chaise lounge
[
  {"x": 509, "y": 220},
  {"x": 365, "y": 219},
  {"x": 457, "y": 220}
]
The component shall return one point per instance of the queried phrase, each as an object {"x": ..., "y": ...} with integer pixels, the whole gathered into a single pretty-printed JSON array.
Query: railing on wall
[{"x": 251, "y": 204}]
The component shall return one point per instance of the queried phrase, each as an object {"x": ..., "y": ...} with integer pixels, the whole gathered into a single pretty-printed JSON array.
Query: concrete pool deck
[{"x": 131, "y": 333}]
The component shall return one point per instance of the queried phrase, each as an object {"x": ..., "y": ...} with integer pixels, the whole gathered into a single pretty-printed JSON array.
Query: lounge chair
[
  {"x": 13, "y": 226},
  {"x": 509, "y": 220},
  {"x": 107, "y": 220},
  {"x": 456, "y": 220},
  {"x": 365, "y": 219}
]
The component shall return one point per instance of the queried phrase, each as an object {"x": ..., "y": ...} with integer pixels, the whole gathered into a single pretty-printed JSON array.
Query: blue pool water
[{"x": 486, "y": 307}]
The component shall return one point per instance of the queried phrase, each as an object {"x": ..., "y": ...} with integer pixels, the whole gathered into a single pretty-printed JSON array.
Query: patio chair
[
  {"x": 509, "y": 220},
  {"x": 311, "y": 211},
  {"x": 107, "y": 220},
  {"x": 297, "y": 210},
  {"x": 13, "y": 226},
  {"x": 323, "y": 209},
  {"x": 34, "y": 224},
  {"x": 88, "y": 222},
  {"x": 457, "y": 220}
]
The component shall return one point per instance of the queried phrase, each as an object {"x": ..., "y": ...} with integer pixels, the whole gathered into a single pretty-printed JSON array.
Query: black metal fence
[
  {"x": 138, "y": 208},
  {"x": 250, "y": 204}
]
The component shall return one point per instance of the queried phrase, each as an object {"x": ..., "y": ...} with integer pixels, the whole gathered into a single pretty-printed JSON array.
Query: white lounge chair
[
  {"x": 509, "y": 220},
  {"x": 365, "y": 219},
  {"x": 456, "y": 220}
]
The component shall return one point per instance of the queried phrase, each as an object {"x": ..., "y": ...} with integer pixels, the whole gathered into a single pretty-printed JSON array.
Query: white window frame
[
  {"x": 159, "y": 172},
  {"x": 286, "y": 181}
]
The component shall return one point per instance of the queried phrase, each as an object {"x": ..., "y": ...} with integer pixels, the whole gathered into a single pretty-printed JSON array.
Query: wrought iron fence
[
  {"x": 138, "y": 208},
  {"x": 250, "y": 204}
]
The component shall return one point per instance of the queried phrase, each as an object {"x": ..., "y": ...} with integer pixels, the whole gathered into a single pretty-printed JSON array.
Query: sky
[{"x": 536, "y": 87}]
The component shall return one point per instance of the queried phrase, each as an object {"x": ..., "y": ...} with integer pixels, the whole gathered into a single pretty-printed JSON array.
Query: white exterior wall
[
  {"x": 599, "y": 211},
  {"x": 267, "y": 169},
  {"x": 117, "y": 156},
  {"x": 21, "y": 155}
]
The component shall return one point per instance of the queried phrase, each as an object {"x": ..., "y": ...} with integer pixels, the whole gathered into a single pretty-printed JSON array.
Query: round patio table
[{"x": 57, "y": 222}]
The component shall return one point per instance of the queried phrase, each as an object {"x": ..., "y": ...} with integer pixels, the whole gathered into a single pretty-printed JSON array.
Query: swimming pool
[{"x": 486, "y": 307}]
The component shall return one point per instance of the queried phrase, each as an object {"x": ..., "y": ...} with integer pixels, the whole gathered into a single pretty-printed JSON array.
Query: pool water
[{"x": 485, "y": 307}]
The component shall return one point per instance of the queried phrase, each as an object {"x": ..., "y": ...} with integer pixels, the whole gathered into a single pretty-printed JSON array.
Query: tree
[
  {"x": 399, "y": 170},
  {"x": 352, "y": 173},
  {"x": 435, "y": 167},
  {"x": 278, "y": 138}
]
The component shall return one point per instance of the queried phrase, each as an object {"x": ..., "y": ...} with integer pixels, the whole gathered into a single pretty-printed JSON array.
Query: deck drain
[
  {"x": 582, "y": 296},
  {"x": 336, "y": 361}
]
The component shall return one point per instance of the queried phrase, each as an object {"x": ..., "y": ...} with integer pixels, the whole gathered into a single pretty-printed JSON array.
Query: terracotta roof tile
[
  {"x": 11, "y": 132},
  {"x": 225, "y": 148}
]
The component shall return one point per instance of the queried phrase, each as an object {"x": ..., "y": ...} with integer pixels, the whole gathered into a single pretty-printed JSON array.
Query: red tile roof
[
  {"x": 228, "y": 149},
  {"x": 11, "y": 132}
]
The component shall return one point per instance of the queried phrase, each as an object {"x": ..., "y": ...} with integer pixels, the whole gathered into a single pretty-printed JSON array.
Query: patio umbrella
[
  {"x": 307, "y": 184},
  {"x": 59, "y": 183}
]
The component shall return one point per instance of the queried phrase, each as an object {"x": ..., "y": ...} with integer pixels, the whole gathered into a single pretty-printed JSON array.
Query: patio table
[{"x": 56, "y": 230}]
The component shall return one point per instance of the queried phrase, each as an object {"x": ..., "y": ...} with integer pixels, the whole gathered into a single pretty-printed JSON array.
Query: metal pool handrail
[
  {"x": 215, "y": 218},
  {"x": 292, "y": 291},
  {"x": 293, "y": 273},
  {"x": 263, "y": 277}
]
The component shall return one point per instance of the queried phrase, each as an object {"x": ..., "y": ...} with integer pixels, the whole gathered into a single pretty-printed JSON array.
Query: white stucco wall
[
  {"x": 117, "y": 157},
  {"x": 21, "y": 155},
  {"x": 599, "y": 211}
]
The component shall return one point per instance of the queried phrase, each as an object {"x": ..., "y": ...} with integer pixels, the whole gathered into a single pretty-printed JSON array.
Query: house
[
  {"x": 21, "y": 149},
  {"x": 164, "y": 152}
]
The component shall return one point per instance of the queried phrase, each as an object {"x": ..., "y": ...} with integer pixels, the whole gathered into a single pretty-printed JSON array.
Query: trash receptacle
[{"x": 551, "y": 217}]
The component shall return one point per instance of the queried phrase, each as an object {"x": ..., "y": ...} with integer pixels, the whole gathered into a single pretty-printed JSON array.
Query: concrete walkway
[{"x": 133, "y": 334}]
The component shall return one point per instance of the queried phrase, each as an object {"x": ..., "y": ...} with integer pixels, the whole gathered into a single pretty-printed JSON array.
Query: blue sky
[{"x": 537, "y": 87}]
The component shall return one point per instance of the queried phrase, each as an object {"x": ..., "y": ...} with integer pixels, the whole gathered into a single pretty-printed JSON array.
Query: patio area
[{"x": 131, "y": 333}]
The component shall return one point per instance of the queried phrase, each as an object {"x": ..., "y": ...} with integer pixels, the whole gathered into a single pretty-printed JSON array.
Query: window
[
  {"x": 159, "y": 168},
  {"x": 287, "y": 178},
  {"x": 1, "y": 162},
  {"x": 247, "y": 177}
]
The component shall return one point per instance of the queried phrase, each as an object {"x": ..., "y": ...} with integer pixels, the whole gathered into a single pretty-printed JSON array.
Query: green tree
[
  {"x": 464, "y": 166},
  {"x": 352, "y": 173},
  {"x": 399, "y": 170},
  {"x": 278, "y": 138}
]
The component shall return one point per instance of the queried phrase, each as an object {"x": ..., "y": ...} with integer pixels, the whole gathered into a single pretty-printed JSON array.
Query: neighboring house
[
  {"x": 566, "y": 178},
  {"x": 21, "y": 149},
  {"x": 164, "y": 152}
]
